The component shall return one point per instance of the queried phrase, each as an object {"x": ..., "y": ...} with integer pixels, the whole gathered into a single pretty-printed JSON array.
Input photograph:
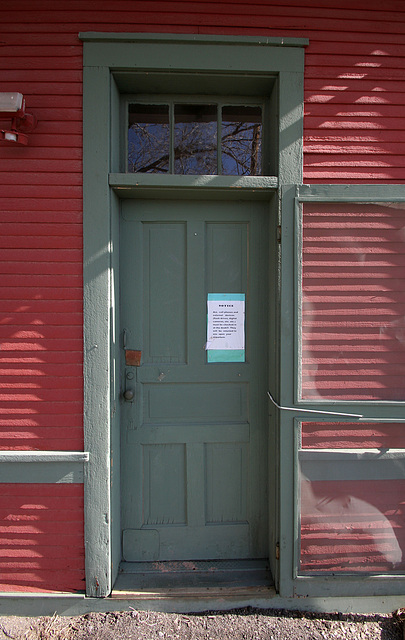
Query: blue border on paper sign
[{"x": 226, "y": 296}]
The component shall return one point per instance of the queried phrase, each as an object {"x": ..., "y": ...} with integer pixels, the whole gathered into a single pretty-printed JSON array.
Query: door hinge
[
  {"x": 278, "y": 233},
  {"x": 278, "y": 551}
]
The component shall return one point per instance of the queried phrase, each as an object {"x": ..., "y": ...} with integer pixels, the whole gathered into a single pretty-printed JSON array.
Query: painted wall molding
[{"x": 48, "y": 467}]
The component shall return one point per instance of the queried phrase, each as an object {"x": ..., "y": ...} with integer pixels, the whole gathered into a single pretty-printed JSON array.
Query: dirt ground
[{"x": 244, "y": 624}]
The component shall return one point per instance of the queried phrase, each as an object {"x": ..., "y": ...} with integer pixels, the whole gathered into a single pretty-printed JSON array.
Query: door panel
[
  {"x": 164, "y": 295},
  {"x": 194, "y": 439}
]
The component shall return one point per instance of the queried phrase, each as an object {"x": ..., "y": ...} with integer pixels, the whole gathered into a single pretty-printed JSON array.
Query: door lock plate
[{"x": 133, "y": 358}]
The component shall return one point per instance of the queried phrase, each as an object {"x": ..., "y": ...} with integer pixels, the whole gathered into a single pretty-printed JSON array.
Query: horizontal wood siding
[
  {"x": 352, "y": 526},
  {"x": 41, "y": 537},
  {"x": 353, "y": 435},
  {"x": 354, "y": 71},
  {"x": 41, "y": 321},
  {"x": 353, "y": 302},
  {"x": 354, "y": 92}
]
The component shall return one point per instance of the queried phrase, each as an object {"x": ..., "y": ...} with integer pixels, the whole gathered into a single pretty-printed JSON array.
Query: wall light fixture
[{"x": 12, "y": 107}]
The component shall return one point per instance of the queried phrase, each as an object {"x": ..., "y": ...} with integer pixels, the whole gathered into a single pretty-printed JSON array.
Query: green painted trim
[
  {"x": 41, "y": 472},
  {"x": 290, "y": 140},
  {"x": 359, "y": 464},
  {"x": 92, "y": 36},
  {"x": 46, "y": 604},
  {"x": 297, "y": 498},
  {"x": 144, "y": 181},
  {"x": 115, "y": 514},
  {"x": 23, "y": 467},
  {"x": 288, "y": 450},
  {"x": 369, "y": 410},
  {"x": 207, "y": 58},
  {"x": 298, "y": 260},
  {"x": 318, "y": 465},
  {"x": 372, "y": 410},
  {"x": 361, "y": 585},
  {"x": 44, "y": 456},
  {"x": 351, "y": 193},
  {"x": 114, "y": 62},
  {"x": 223, "y": 54},
  {"x": 343, "y": 455},
  {"x": 291, "y": 242},
  {"x": 97, "y": 328}
]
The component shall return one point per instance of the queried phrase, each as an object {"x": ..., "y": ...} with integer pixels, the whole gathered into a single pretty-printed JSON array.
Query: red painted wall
[
  {"x": 41, "y": 537},
  {"x": 354, "y": 92},
  {"x": 353, "y": 302},
  {"x": 352, "y": 526},
  {"x": 353, "y": 435}
]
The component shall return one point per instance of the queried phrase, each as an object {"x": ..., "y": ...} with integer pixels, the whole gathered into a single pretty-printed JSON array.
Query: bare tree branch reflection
[{"x": 195, "y": 148}]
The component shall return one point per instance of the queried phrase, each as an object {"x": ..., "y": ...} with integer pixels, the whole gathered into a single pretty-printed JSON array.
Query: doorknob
[{"x": 128, "y": 395}]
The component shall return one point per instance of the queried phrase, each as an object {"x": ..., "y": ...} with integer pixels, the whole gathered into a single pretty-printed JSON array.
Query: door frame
[{"x": 115, "y": 64}]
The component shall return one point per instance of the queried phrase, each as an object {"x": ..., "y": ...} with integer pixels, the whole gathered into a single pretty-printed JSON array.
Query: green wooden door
[{"x": 194, "y": 437}]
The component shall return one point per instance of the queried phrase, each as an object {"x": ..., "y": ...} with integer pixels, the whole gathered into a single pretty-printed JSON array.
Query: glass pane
[
  {"x": 148, "y": 138},
  {"x": 353, "y": 435},
  {"x": 195, "y": 139},
  {"x": 352, "y": 526},
  {"x": 353, "y": 301},
  {"x": 352, "y": 498},
  {"x": 241, "y": 141}
]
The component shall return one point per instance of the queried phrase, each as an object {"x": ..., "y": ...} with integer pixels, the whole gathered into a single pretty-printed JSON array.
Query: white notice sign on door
[{"x": 226, "y": 327}]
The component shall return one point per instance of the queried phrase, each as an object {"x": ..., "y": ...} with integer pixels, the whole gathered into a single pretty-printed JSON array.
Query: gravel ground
[{"x": 244, "y": 624}]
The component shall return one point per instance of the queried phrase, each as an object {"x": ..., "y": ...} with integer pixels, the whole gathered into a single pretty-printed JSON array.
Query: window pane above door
[
  {"x": 207, "y": 137},
  {"x": 241, "y": 141},
  {"x": 195, "y": 139},
  {"x": 148, "y": 138}
]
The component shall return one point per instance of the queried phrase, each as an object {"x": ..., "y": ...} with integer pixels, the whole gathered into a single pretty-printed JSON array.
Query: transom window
[{"x": 196, "y": 137}]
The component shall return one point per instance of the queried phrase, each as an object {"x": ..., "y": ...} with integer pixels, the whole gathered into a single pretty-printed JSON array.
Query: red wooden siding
[
  {"x": 354, "y": 68},
  {"x": 40, "y": 325},
  {"x": 353, "y": 435},
  {"x": 41, "y": 537},
  {"x": 354, "y": 92},
  {"x": 352, "y": 526},
  {"x": 41, "y": 247},
  {"x": 353, "y": 324}
]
